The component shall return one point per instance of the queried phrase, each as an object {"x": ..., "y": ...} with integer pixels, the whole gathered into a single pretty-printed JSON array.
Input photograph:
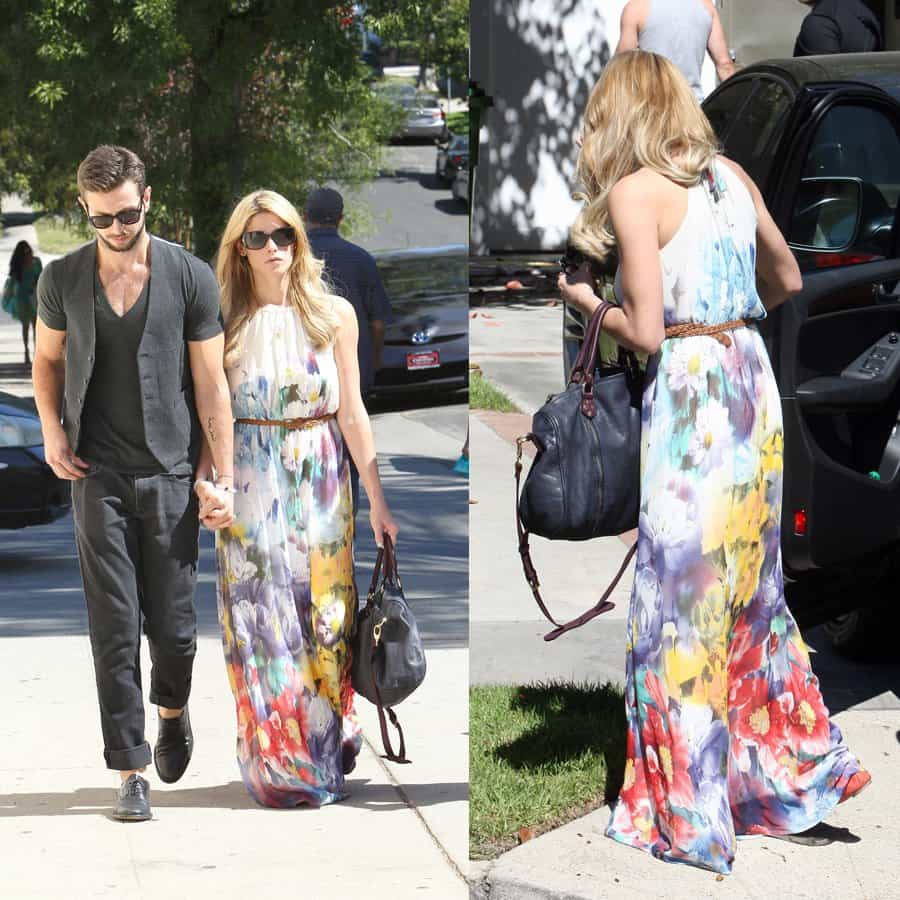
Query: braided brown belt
[
  {"x": 290, "y": 424},
  {"x": 691, "y": 329}
]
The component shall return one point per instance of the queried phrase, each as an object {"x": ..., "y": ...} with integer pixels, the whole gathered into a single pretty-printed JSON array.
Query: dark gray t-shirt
[{"x": 112, "y": 421}]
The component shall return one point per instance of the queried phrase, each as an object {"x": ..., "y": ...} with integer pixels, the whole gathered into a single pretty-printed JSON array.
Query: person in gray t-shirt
[
  {"x": 128, "y": 364},
  {"x": 683, "y": 31}
]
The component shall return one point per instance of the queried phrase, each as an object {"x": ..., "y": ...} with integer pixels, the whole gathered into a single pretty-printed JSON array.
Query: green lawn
[
  {"x": 540, "y": 755},
  {"x": 483, "y": 395},
  {"x": 54, "y": 235},
  {"x": 458, "y": 122}
]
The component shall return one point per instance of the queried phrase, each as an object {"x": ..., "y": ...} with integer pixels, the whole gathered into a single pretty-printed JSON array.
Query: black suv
[{"x": 821, "y": 138}]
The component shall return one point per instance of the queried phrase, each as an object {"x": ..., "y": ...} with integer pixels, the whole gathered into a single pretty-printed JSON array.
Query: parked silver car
[{"x": 424, "y": 117}]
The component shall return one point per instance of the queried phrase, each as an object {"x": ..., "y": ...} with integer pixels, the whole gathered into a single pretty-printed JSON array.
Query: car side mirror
[{"x": 827, "y": 214}]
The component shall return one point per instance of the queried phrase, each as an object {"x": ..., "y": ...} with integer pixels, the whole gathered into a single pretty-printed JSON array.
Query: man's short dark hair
[
  {"x": 106, "y": 167},
  {"x": 324, "y": 206}
]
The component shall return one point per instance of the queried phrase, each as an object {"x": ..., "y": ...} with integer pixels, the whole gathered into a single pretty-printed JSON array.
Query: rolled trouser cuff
[{"x": 124, "y": 760}]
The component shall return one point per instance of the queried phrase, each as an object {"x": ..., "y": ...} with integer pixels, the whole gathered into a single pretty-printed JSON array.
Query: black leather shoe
[
  {"x": 174, "y": 746},
  {"x": 133, "y": 800}
]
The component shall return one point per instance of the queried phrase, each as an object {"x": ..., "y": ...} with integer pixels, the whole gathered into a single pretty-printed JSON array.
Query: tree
[
  {"x": 218, "y": 97},
  {"x": 437, "y": 31}
]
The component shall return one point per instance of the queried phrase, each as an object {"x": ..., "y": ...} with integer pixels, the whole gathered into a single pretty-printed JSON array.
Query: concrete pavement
[
  {"x": 518, "y": 348},
  {"x": 403, "y": 831}
]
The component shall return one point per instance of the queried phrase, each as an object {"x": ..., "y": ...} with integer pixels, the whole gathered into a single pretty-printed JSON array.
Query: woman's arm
[
  {"x": 354, "y": 420},
  {"x": 777, "y": 273},
  {"x": 634, "y": 218}
]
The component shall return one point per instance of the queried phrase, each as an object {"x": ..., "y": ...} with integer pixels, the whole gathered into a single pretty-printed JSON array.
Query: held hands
[
  {"x": 577, "y": 289},
  {"x": 59, "y": 456},
  {"x": 381, "y": 520},
  {"x": 216, "y": 505}
]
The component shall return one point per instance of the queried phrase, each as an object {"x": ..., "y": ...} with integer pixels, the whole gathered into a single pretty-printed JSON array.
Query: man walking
[
  {"x": 683, "y": 31},
  {"x": 353, "y": 275},
  {"x": 129, "y": 351}
]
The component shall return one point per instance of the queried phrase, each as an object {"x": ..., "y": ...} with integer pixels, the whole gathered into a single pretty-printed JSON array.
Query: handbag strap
[
  {"x": 399, "y": 757},
  {"x": 587, "y": 354},
  {"x": 601, "y": 606}
]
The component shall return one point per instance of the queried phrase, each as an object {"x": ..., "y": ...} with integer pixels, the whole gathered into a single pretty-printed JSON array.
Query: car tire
[{"x": 864, "y": 634}]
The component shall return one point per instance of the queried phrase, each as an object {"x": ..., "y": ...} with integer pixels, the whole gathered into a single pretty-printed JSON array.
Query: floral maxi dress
[
  {"x": 727, "y": 731},
  {"x": 285, "y": 570}
]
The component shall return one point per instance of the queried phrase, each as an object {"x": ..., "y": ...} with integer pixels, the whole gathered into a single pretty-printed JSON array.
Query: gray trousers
[{"x": 138, "y": 545}]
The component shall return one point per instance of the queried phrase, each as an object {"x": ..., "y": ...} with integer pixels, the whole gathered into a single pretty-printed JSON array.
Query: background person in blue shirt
[{"x": 353, "y": 274}]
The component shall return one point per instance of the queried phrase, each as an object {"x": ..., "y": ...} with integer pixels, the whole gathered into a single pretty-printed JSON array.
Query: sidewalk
[
  {"x": 518, "y": 349},
  {"x": 401, "y": 834}
]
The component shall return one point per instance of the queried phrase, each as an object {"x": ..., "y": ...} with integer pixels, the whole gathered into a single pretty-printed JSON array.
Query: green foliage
[
  {"x": 436, "y": 31},
  {"x": 218, "y": 97},
  {"x": 484, "y": 395}
]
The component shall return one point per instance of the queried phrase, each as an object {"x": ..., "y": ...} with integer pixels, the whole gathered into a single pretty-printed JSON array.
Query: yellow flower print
[
  {"x": 759, "y": 721},
  {"x": 628, "y": 783},
  {"x": 807, "y": 716}
]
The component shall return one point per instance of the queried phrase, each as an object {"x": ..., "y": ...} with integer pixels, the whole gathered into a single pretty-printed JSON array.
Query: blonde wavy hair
[
  {"x": 641, "y": 114},
  {"x": 308, "y": 291}
]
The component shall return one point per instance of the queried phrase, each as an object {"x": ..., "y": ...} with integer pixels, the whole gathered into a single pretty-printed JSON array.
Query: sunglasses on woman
[
  {"x": 256, "y": 240},
  {"x": 125, "y": 216}
]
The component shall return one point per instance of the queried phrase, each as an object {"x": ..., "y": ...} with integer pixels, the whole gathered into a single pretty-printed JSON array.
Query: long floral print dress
[
  {"x": 285, "y": 570},
  {"x": 727, "y": 731}
]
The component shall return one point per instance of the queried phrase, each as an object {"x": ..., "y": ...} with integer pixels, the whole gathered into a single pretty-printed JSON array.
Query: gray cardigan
[{"x": 182, "y": 305}]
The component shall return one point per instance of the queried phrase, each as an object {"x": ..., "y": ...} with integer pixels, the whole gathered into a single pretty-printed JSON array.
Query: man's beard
[{"x": 123, "y": 248}]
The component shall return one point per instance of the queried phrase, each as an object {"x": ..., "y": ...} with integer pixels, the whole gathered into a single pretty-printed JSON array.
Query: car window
[
  {"x": 722, "y": 109},
  {"x": 418, "y": 277},
  {"x": 849, "y": 188},
  {"x": 753, "y": 138}
]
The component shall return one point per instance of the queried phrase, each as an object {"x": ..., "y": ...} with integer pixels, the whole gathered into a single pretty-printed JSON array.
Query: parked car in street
[
  {"x": 452, "y": 155},
  {"x": 30, "y": 494},
  {"x": 821, "y": 138},
  {"x": 427, "y": 343},
  {"x": 424, "y": 117}
]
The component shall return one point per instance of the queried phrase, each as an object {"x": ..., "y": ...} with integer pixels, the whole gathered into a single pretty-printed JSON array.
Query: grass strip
[
  {"x": 540, "y": 755},
  {"x": 458, "y": 122},
  {"x": 54, "y": 235},
  {"x": 484, "y": 395}
]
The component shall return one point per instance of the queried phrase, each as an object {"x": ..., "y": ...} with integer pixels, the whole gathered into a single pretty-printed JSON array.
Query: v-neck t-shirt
[{"x": 112, "y": 421}]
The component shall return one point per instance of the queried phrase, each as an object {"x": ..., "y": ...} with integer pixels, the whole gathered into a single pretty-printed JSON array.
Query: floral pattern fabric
[
  {"x": 727, "y": 730},
  {"x": 285, "y": 570}
]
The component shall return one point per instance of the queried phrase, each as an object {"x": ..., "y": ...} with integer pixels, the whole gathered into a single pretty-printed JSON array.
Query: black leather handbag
[
  {"x": 585, "y": 479},
  {"x": 388, "y": 660}
]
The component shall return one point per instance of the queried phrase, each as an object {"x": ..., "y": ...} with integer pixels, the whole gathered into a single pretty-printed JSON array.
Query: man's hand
[
  {"x": 216, "y": 505},
  {"x": 59, "y": 456}
]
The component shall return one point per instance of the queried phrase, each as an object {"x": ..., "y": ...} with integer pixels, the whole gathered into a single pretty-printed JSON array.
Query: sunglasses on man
[
  {"x": 125, "y": 216},
  {"x": 256, "y": 240}
]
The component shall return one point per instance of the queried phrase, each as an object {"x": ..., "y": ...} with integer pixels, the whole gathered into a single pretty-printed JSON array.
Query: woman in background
[{"x": 18, "y": 292}]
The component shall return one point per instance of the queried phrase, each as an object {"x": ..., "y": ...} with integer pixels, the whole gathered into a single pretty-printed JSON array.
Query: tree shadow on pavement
[
  {"x": 575, "y": 719},
  {"x": 96, "y": 801},
  {"x": 846, "y": 683},
  {"x": 451, "y": 206}
]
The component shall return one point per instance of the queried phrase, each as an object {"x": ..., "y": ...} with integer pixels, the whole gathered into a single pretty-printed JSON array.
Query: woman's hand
[
  {"x": 216, "y": 505},
  {"x": 382, "y": 521},
  {"x": 577, "y": 289}
]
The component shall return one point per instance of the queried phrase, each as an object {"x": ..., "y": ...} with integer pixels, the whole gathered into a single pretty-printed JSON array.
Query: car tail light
[
  {"x": 800, "y": 522},
  {"x": 443, "y": 115},
  {"x": 827, "y": 260}
]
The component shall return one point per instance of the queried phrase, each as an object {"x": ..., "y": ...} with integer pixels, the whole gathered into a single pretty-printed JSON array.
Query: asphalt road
[{"x": 408, "y": 206}]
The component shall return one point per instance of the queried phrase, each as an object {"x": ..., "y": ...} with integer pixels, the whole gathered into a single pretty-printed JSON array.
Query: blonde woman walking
[
  {"x": 727, "y": 730},
  {"x": 285, "y": 565}
]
